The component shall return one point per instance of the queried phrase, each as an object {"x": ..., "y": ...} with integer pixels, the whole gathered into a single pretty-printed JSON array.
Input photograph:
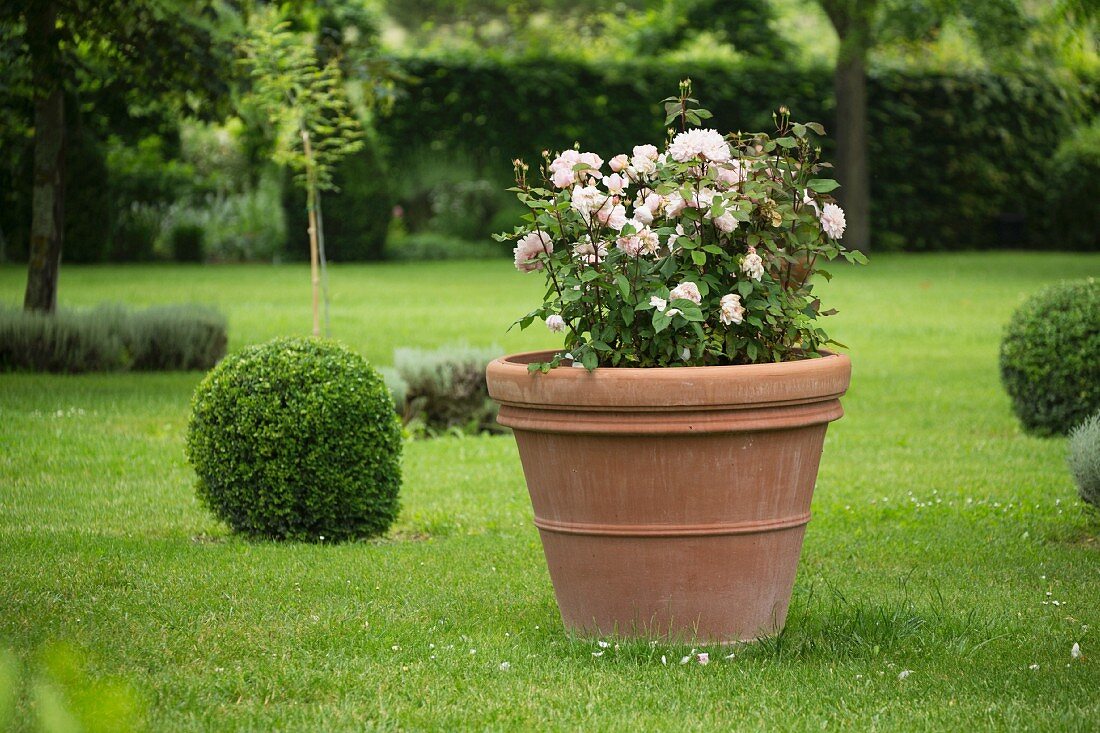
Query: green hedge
[{"x": 957, "y": 161}]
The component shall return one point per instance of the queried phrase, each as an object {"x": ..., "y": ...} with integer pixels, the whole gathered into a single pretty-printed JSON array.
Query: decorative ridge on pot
[{"x": 627, "y": 388}]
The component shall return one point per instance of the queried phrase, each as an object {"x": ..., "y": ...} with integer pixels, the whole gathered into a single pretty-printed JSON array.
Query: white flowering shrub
[{"x": 700, "y": 254}]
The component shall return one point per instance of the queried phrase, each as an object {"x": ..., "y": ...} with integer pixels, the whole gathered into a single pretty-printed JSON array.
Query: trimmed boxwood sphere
[
  {"x": 1050, "y": 357},
  {"x": 297, "y": 439}
]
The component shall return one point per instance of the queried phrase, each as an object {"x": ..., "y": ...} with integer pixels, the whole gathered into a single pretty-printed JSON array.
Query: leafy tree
[
  {"x": 863, "y": 25},
  {"x": 168, "y": 54},
  {"x": 311, "y": 120},
  {"x": 744, "y": 24}
]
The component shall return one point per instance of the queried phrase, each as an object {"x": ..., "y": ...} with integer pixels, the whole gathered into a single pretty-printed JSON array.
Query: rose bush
[{"x": 702, "y": 254}]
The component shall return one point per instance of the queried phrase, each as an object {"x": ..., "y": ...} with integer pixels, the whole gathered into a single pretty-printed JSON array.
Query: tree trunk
[
  {"x": 311, "y": 208},
  {"x": 853, "y": 22},
  {"x": 854, "y": 194},
  {"x": 48, "y": 194}
]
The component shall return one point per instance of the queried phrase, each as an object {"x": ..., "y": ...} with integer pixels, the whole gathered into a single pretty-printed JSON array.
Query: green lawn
[{"x": 942, "y": 536}]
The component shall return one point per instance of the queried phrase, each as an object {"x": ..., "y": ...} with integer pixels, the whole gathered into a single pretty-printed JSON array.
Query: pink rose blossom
[
  {"x": 675, "y": 204},
  {"x": 619, "y": 162},
  {"x": 563, "y": 177},
  {"x": 725, "y": 223},
  {"x": 630, "y": 245},
  {"x": 529, "y": 248},
  {"x": 615, "y": 184},
  {"x": 589, "y": 254},
  {"x": 650, "y": 242},
  {"x": 733, "y": 173}
]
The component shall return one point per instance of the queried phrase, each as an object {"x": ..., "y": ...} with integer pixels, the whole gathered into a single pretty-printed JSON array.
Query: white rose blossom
[
  {"x": 753, "y": 265},
  {"x": 688, "y": 291},
  {"x": 832, "y": 220},
  {"x": 703, "y": 198},
  {"x": 650, "y": 242},
  {"x": 658, "y": 303},
  {"x": 675, "y": 204},
  {"x": 619, "y": 162},
  {"x": 705, "y": 144},
  {"x": 732, "y": 310},
  {"x": 642, "y": 167},
  {"x": 555, "y": 323},
  {"x": 589, "y": 201}
]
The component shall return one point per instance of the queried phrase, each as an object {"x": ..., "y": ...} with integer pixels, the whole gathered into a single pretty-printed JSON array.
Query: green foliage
[
  {"x": 747, "y": 25},
  {"x": 954, "y": 158},
  {"x": 246, "y": 226},
  {"x": 1050, "y": 357},
  {"x": 186, "y": 242},
  {"x": 305, "y": 103},
  {"x": 1071, "y": 215},
  {"x": 66, "y": 697},
  {"x": 444, "y": 389},
  {"x": 297, "y": 439},
  {"x": 111, "y": 338},
  {"x": 356, "y": 213},
  {"x": 433, "y": 246},
  {"x": 453, "y": 195},
  {"x": 136, "y": 230},
  {"x": 1084, "y": 459},
  {"x": 89, "y": 205}
]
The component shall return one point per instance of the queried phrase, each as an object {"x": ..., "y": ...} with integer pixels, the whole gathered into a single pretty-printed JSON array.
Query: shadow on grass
[
  {"x": 830, "y": 626},
  {"x": 838, "y": 627}
]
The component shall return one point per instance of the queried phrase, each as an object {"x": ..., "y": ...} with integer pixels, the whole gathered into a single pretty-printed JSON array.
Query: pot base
[{"x": 740, "y": 594}]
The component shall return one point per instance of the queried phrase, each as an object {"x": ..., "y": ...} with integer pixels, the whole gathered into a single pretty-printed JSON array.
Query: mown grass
[{"x": 942, "y": 537}]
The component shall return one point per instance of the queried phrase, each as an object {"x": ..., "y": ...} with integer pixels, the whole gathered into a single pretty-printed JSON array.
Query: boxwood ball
[
  {"x": 297, "y": 439},
  {"x": 1050, "y": 357}
]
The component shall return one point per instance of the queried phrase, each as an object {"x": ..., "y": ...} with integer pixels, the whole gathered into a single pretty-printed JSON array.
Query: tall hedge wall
[{"x": 957, "y": 161}]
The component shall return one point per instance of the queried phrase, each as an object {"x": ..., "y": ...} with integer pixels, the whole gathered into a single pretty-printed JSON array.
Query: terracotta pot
[{"x": 671, "y": 502}]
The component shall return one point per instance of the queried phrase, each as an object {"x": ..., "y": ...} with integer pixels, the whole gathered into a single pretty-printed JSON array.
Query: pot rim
[{"x": 709, "y": 387}]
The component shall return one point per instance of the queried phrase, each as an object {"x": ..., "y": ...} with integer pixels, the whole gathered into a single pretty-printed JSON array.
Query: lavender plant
[{"x": 700, "y": 254}]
